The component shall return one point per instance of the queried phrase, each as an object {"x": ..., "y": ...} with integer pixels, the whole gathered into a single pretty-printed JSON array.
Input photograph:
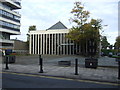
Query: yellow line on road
[{"x": 52, "y": 77}]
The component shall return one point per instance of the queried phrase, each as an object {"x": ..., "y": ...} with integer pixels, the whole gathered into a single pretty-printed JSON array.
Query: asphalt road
[{"x": 16, "y": 80}]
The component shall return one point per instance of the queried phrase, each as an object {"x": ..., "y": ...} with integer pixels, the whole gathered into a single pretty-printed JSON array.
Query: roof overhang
[{"x": 14, "y": 5}]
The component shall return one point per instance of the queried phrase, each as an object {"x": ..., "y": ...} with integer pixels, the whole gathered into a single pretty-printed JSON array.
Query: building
[
  {"x": 119, "y": 18},
  {"x": 52, "y": 41},
  {"x": 20, "y": 47},
  {"x": 9, "y": 22}
]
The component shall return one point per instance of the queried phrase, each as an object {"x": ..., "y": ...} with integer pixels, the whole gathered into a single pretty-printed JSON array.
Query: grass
[{"x": 115, "y": 56}]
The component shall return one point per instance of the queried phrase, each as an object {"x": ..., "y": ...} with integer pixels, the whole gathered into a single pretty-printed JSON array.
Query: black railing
[
  {"x": 13, "y": 29},
  {"x": 11, "y": 18}
]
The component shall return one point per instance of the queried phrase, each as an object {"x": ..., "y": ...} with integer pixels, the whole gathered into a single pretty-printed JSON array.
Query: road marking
[{"x": 52, "y": 77}]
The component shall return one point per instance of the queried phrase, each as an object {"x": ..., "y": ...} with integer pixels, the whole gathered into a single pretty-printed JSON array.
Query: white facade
[{"x": 51, "y": 42}]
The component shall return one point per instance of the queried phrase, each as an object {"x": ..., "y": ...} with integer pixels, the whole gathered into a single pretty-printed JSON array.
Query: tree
[
  {"x": 104, "y": 42},
  {"x": 32, "y": 28},
  {"x": 110, "y": 47},
  {"x": 80, "y": 15},
  {"x": 117, "y": 44},
  {"x": 84, "y": 32}
]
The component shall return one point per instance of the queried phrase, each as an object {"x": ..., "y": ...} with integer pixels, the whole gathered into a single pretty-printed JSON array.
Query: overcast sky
[{"x": 45, "y": 13}]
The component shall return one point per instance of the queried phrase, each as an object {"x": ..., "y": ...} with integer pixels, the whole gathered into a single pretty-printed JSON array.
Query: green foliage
[
  {"x": 104, "y": 42},
  {"x": 117, "y": 44},
  {"x": 110, "y": 46},
  {"x": 80, "y": 15},
  {"x": 84, "y": 32},
  {"x": 106, "y": 51},
  {"x": 32, "y": 28},
  {"x": 118, "y": 41}
]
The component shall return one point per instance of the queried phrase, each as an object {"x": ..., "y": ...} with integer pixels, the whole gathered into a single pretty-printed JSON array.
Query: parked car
[
  {"x": 110, "y": 54},
  {"x": 103, "y": 54},
  {"x": 118, "y": 55}
]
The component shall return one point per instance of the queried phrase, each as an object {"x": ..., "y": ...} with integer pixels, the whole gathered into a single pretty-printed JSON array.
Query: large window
[
  {"x": 9, "y": 25},
  {"x": 9, "y": 15}
]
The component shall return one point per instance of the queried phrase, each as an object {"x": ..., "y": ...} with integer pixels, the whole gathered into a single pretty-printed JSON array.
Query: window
[
  {"x": 10, "y": 25},
  {"x": 6, "y": 14},
  {"x": 16, "y": 17},
  {"x": 0, "y": 23}
]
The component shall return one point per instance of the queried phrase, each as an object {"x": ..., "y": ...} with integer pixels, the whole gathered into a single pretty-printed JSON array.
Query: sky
[{"x": 45, "y": 13}]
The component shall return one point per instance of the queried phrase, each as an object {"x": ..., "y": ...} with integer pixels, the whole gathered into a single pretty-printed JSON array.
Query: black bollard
[
  {"x": 76, "y": 66},
  {"x": 7, "y": 58},
  {"x": 118, "y": 68},
  {"x": 41, "y": 64}
]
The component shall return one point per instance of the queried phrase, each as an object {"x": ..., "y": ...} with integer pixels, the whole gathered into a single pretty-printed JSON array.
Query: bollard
[
  {"x": 7, "y": 58},
  {"x": 41, "y": 64},
  {"x": 76, "y": 66},
  {"x": 118, "y": 69}
]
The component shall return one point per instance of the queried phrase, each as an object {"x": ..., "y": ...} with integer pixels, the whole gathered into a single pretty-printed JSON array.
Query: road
[{"x": 17, "y": 80}]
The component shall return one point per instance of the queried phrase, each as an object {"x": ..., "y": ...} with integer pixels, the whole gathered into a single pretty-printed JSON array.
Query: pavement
[{"x": 107, "y": 70}]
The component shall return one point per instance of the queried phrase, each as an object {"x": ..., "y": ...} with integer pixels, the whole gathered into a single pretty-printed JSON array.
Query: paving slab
[{"x": 29, "y": 64}]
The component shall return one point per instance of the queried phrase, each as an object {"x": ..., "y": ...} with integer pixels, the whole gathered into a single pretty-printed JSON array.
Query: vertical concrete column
[
  {"x": 67, "y": 45},
  {"x": 58, "y": 44},
  {"x": 41, "y": 44},
  {"x": 64, "y": 43},
  {"x": 30, "y": 44},
  {"x": 33, "y": 44},
  {"x": 49, "y": 43},
  {"x": 38, "y": 45},
  {"x": 46, "y": 43},
  {"x": 61, "y": 44},
  {"x": 52, "y": 45},
  {"x": 55, "y": 43}
]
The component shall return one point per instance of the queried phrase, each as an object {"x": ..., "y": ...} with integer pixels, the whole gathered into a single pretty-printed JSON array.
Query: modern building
[
  {"x": 52, "y": 41},
  {"x": 9, "y": 22}
]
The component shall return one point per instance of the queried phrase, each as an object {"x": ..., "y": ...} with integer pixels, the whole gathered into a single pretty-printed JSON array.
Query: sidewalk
[{"x": 105, "y": 74}]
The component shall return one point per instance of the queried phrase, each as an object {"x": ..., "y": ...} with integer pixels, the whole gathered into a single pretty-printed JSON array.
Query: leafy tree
[
  {"x": 32, "y": 28},
  {"x": 104, "y": 42},
  {"x": 117, "y": 44},
  {"x": 84, "y": 32},
  {"x": 111, "y": 47},
  {"x": 80, "y": 15}
]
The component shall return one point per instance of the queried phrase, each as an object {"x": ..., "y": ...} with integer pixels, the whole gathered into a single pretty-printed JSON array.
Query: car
[
  {"x": 117, "y": 59},
  {"x": 118, "y": 54},
  {"x": 103, "y": 54},
  {"x": 110, "y": 54}
]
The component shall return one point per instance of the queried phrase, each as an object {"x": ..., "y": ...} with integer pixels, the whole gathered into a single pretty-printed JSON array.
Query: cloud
[{"x": 45, "y": 13}]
